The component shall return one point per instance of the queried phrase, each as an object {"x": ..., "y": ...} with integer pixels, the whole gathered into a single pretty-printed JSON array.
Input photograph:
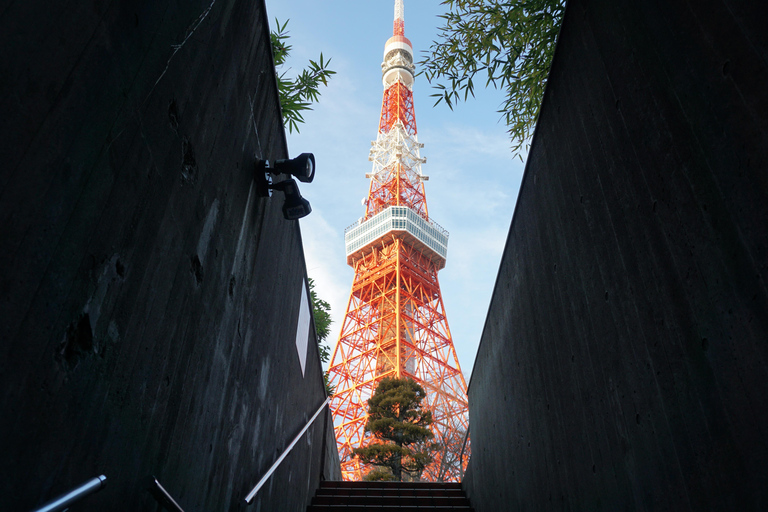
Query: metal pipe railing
[
  {"x": 162, "y": 496},
  {"x": 76, "y": 494},
  {"x": 285, "y": 453},
  {"x": 463, "y": 445}
]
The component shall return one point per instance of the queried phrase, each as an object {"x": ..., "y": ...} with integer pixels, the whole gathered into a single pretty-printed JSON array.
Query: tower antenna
[{"x": 399, "y": 29}]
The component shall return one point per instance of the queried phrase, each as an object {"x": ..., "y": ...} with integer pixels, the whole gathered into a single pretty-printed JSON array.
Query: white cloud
[{"x": 324, "y": 255}]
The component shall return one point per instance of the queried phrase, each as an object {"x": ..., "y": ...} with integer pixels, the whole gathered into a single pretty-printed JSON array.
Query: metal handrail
[
  {"x": 285, "y": 453},
  {"x": 163, "y": 497},
  {"x": 76, "y": 494},
  {"x": 463, "y": 445}
]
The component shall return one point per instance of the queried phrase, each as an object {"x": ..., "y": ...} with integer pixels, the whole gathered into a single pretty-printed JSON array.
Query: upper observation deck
[{"x": 427, "y": 237}]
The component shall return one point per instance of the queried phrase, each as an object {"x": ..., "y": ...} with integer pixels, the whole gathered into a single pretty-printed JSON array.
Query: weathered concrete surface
[
  {"x": 149, "y": 299},
  {"x": 624, "y": 359}
]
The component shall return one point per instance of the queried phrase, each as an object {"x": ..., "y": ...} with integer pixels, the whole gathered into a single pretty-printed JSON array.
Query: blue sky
[{"x": 473, "y": 178}]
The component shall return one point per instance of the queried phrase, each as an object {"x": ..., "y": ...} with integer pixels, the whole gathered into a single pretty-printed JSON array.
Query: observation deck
[{"x": 427, "y": 237}]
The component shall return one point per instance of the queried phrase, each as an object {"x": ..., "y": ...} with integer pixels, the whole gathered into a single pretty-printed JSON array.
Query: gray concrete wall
[
  {"x": 623, "y": 362},
  {"x": 149, "y": 300}
]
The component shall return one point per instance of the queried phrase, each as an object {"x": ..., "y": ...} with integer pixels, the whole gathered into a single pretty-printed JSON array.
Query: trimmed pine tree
[{"x": 400, "y": 428}]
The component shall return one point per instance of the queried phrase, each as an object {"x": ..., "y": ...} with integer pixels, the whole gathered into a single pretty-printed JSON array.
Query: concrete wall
[
  {"x": 624, "y": 359},
  {"x": 149, "y": 299}
]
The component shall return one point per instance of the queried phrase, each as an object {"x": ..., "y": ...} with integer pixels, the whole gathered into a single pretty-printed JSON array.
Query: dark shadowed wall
[
  {"x": 624, "y": 360},
  {"x": 149, "y": 299}
]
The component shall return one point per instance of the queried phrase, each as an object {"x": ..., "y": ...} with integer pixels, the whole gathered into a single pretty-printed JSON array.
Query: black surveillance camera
[
  {"x": 303, "y": 167},
  {"x": 295, "y": 206}
]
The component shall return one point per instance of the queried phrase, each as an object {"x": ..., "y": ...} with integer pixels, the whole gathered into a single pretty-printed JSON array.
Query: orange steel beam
[
  {"x": 393, "y": 326},
  {"x": 395, "y": 322}
]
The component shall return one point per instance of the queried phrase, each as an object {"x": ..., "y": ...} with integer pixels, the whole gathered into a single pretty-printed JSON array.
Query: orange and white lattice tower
[{"x": 395, "y": 323}]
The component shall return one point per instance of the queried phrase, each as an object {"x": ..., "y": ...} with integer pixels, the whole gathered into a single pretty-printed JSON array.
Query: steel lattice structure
[{"x": 395, "y": 323}]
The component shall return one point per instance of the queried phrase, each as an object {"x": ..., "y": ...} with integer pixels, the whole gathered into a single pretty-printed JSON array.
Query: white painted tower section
[{"x": 399, "y": 10}]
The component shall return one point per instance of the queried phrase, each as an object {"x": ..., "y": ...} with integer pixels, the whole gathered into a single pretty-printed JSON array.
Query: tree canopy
[
  {"x": 321, "y": 313},
  {"x": 297, "y": 94},
  {"x": 399, "y": 426},
  {"x": 510, "y": 42}
]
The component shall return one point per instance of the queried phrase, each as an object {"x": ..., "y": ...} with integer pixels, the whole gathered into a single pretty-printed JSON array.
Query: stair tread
[
  {"x": 392, "y": 499},
  {"x": 400, "y": 485},
  {"x": 387, "y": 508},
  {"x": 389, "y": 497},
  {"x": 387, "y": 492}
]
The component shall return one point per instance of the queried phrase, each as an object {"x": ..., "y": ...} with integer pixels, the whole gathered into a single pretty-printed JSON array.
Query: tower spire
[
  {"x": 399, "y": 29},
  {"x": 395, "y": 323}
]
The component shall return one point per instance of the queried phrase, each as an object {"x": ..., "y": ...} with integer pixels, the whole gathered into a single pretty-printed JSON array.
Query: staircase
[{"x": 389, "y": 496}]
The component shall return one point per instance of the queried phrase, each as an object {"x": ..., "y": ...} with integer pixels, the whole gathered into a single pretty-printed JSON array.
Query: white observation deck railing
[{"x": 426, "y": 236}]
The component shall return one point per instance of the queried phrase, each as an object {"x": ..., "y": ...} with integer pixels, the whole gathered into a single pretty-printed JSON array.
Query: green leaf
[
  {"x": 299, "y": 93},
  {"x": 321, "y": 314},
  {"x": 511, "y": 43},
  {"x": 400, "y": 426}
]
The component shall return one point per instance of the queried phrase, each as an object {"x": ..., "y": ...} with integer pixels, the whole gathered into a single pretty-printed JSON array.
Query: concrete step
[
  {"x": 385, "y": 492},
  {"x": 389, "y": 496},
  {"x": 377, "y": 508},
  {"x": 390, "y": 485},
  {"x": 434, "y": 500}
]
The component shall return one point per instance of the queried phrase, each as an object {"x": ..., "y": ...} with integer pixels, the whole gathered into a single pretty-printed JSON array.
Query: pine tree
[{"x": 400, "y": 428}]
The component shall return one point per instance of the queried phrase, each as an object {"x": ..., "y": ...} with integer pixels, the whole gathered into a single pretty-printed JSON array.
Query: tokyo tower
[{"x": 395, "y": 323}]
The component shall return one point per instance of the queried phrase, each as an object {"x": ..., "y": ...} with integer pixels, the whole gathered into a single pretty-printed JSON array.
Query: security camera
[
  {"x": 303, "y": 167},
  {"x": 295, "y": 206}
]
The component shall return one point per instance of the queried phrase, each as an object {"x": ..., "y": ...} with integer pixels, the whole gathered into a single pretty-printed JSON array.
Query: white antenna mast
[{"x": 399, "y": 18}]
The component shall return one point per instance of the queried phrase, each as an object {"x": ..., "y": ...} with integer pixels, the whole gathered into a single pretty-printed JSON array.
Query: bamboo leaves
[{"x": 510, "y": 42}]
